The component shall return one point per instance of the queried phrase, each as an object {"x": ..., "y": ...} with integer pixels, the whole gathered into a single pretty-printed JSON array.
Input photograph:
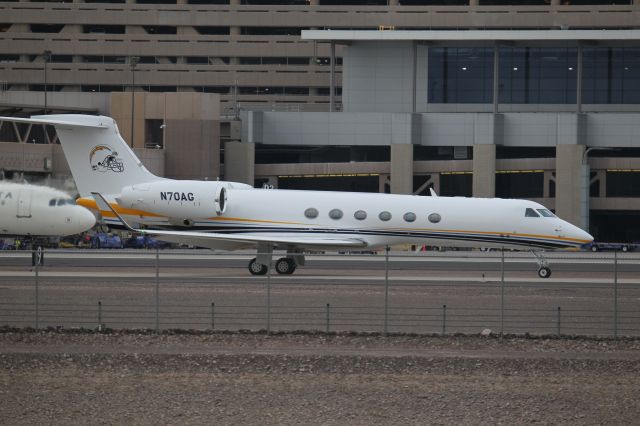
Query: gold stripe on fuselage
[{"x": 91, "y": 204}]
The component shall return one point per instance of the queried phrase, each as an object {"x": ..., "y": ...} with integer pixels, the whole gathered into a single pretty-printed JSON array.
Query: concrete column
[
  {"x": 401, "y": 168},
  {"x": 185, "y": 30},
  {"x": 414, "y": 75},
  {"x": 484, "y": 171},
  {"x": 569, "y": 182},
  {"x": 332, "y": 77},
  {"x": 547, "y": 179},
  {"x": 496, "y": 78},
  {"x": 579, "y": 80},
  {"x": 602, "y": 182},
  {"x": 239, "y": 162}
]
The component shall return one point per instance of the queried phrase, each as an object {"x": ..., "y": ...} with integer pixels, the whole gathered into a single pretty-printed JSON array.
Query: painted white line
[{"x": 302, "y": 278}]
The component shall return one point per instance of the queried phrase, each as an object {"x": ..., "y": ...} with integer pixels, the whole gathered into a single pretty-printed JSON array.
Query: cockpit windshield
[
  {"x": 61, "y": 201},
  {"x": 546, "y": 213},
  {"x": 531, "y": 213}
]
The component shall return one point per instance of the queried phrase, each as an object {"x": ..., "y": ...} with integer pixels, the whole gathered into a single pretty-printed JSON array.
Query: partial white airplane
[
  {"x": 39, "y": 211},
  {"x": 230, "y": 215}
]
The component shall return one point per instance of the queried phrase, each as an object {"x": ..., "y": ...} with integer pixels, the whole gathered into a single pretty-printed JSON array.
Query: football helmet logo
[{"x": 103, "y": 158}]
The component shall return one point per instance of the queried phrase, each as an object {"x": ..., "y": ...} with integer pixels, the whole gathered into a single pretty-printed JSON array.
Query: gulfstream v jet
[{"x": 230, "y": 215}]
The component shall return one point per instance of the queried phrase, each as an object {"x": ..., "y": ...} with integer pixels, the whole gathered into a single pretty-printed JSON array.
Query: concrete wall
[
  {"x": 191, "y": 132},
  {"x": 323, "y": 128},
  {"x": 191, "y": 129},
  {"x": 377, "y": 77},
  {"x": 188, "y": 42},
  {"x": 442, "y": 129}
]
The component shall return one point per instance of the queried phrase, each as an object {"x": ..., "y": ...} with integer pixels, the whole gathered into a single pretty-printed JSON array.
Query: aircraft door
[{"x": 24, "y": 204}]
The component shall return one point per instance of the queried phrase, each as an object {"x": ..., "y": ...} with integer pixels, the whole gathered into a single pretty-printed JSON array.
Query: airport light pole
[
  {"x": 133, "y": 62},
  {"x": 47, "y": 58}
]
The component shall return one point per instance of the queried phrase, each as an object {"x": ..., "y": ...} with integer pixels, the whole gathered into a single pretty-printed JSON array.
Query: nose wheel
[
  {"x": 543, "y": 266},
  {"x": 544, "y": 272}
]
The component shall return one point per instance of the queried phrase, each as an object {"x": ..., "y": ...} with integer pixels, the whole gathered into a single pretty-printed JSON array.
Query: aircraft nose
[
  {"x": 579, "y": 234},
  {"x": 84, "y": 220}
]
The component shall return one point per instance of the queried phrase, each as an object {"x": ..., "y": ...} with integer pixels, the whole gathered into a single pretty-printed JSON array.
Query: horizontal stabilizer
[{"x": 55, "y": 120}]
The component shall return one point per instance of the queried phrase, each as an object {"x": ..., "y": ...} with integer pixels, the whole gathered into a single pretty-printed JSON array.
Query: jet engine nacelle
[{"x": 183, "y": 200}]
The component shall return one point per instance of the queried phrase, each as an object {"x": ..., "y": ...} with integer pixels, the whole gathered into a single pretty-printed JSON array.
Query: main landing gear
[
  {"x": 257, "y": 268},
  {"x": 543, "y": 266},
  {"x": 284, "y": 266}
]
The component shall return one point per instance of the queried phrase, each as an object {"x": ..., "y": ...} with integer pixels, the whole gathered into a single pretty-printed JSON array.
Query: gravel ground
[{"x": 254, "y": 378}]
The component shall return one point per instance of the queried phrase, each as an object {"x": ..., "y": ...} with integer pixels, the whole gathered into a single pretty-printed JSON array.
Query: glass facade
[
  {"x": 534, "y": 75},
  {"x": 460, "y": 75},
  {"x": 611, "y": 75}
]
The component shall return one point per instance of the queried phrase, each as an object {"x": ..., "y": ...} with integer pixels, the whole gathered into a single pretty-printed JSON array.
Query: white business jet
[
  {"x": 229, "y": 215},
  {"x": 39, "y": 211}
]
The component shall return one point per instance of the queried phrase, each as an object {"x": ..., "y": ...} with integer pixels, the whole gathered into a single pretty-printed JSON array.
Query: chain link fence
[{"x": 396, "y": 292}]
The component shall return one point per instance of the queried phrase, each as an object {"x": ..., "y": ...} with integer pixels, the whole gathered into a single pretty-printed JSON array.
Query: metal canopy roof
[{"x": 472, "y": 35}]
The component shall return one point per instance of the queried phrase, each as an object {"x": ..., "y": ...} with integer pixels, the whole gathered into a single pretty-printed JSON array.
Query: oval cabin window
[
  {"x": 335, "y": 214},
  {"x": 385, "y": 216},
  {"x": 434, "y": 218},
  {"x": 360, "y": 215},
  {"x": 409, "y": 217},
  {"x": 311, "y": 213}
]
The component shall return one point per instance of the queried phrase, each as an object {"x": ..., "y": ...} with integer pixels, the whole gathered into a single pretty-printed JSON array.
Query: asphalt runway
[{"x": 424, "y": 293}]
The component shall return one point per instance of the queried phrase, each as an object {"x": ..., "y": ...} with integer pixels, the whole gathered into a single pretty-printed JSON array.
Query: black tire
[
  {"x": 257, "y": 268},
  {"x": 594, "y": 248},
  {"x": 544, "y": 272},
  {"x": 625, "y": 249},
  {"x": 285, "y": 266}
]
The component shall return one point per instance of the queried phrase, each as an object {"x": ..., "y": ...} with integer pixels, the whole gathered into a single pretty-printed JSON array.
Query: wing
[{"x": 236, "y": 241}]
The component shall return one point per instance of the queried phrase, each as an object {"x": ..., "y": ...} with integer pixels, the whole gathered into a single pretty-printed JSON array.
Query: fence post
[
  {"x": 444, "y": 319},
  {"x": 386, "y": 290},
  {"x": 615, "y": 294},
  {"x": 99, "y": 315},
  {"x": 558, "y": 322},
  {"x": 213, "y": 321},
  {"x": 157, "y": 290},
  {"x": 37, "y": 269},
  {"x": 269, "y": 296},
  {"x": 327, "y": 316},
  {"x": 502, "y": 292}
]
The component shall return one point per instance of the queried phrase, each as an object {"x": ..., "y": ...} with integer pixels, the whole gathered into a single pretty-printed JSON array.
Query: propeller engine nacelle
[{"x": 182, "y": 201}]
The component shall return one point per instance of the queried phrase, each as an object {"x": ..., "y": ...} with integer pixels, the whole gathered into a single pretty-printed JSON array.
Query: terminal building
[{"x": 528, "y": 99}]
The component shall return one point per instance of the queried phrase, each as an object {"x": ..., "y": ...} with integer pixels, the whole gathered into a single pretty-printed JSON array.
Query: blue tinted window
[
  {"x": 460, "y": 75},
  {"x": 533, "y": 75},
  {"x": 611, "y": 75}
]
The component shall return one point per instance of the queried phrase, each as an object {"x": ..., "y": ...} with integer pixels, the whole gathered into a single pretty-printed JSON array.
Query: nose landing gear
[{"x": 543, "y": 266}]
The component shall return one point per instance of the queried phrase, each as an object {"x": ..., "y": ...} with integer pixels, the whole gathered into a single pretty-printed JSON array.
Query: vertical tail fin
[{"x": 100, "y": 160}]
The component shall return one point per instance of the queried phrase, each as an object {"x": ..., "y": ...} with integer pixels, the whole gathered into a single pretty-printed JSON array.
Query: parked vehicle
[
  {"x": 624, "y": 247},
  {"x": 102, "y": 240},
  {"x": 6, "y": 246},
  {"x": 144, "y": 241}
]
